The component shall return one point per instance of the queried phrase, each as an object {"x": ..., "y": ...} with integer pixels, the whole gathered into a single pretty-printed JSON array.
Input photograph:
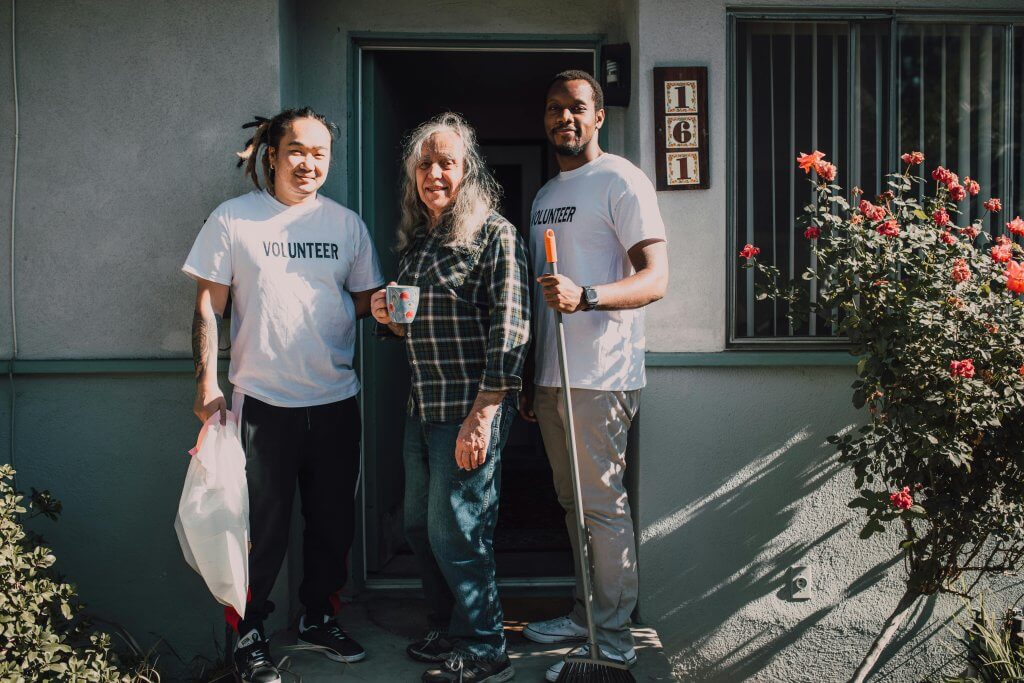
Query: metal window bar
[
  {"x": 986, "y": 78},
  {"x": 963, "y": 137},
  {"x": 920, "y": 109},
  {"x": 812, "y": 327},
  {"x": 991, "y": 114},
  {"x": 1018, "y": 43},
  {"x": 1009, "y": 102},
  {"x": 771, "y": 119},
  {"x": 942, "y": 102},
  {"x": 879, "y": 101},
  {"x": 792, "y": 146},
  {"x": 749, "y": 210}
]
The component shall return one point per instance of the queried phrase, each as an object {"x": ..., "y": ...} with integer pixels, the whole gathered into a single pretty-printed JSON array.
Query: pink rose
[
  {"x": 889, "y": 228},
  {"x": 947, "y": 238},
  {"x": 972, "y": 187},
  {"x": 970, "y": 232},
  {"x": 1015, "y": 277},
  {"x": 902, "y": 499},
  {"x": 809, "y": 161},
  {"x": 957, "y": 192},
  {"x": 1016, "y": 226},
  {"x": 749, "y": 251},
  {"x": 993, "y": 205},
  {"x": 961, "y": 271},
  {"x": 912, "y": 158},
  {"x": 940, "y": 174},
  {"x": 812, "y": 233},
  {"x": 941, "y": 217},
  {"x": 825, "y": 170},
  {"x": 870, "y": 211},
  {"x": 1002, "y": 253},
  {"x": 962, "y": 368}
]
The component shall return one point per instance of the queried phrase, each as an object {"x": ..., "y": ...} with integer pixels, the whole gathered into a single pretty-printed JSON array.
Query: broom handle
[{"x": 570, "y": 442}]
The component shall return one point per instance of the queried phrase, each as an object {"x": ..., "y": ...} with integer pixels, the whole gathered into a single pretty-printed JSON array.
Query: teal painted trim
[
  {"x": 352, "y": 129},
  {"x": 584, "y": 40},
  {"x": 113, "y": 366},
  {"x": 744, "y": 359},
  {"x": 823, "y": 12}
]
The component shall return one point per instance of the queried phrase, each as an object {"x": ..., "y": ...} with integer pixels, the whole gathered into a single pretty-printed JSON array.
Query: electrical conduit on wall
[{"x": 14, "y": 200}]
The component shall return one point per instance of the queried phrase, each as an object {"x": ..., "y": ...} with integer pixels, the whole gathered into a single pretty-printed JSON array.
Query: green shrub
[{"x": 42, "y": 634}]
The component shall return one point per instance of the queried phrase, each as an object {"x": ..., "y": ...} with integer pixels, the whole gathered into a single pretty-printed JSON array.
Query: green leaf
[{"x": 859, "y": 399}]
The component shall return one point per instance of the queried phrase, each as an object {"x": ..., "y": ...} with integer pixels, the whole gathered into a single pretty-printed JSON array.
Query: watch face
[{"x": 590, "y": 294}]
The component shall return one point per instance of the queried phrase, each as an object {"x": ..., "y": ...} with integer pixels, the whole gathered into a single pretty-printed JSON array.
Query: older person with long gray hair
[{"x": 466, "y": 346}]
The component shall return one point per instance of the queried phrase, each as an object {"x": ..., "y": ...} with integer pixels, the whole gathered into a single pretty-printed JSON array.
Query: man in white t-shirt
[
  {"x": 612, "y": 261},
  {"x": 300, "y": 269}
]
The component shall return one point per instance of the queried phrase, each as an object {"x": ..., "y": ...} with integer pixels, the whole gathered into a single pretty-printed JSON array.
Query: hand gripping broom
[{"x": 577, "y": 668}]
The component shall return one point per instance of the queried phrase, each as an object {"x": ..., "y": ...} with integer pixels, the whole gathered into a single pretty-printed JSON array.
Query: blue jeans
[{"x": 450, "y": 516}]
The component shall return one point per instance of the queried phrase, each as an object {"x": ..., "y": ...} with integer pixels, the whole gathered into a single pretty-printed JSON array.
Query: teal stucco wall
[{"x": 130, "y": 115}]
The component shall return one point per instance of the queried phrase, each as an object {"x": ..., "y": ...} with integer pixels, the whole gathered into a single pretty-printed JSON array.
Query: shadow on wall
[
  {"x": 907, "y": 647},
  {"x": 740, "y": 488},
  {"x": 737, "y": 529}
]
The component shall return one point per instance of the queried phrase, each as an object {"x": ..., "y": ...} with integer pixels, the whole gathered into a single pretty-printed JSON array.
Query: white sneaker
[
  {"x": 629, "y": 659},
  {"x": 557, "y": 630}
]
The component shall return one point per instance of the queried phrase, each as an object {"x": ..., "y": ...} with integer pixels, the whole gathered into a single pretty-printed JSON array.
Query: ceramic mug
[{"x": 402, "y": 302}]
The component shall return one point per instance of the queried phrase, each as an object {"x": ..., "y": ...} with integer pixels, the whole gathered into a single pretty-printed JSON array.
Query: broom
[{"x": 591, "y": 668}]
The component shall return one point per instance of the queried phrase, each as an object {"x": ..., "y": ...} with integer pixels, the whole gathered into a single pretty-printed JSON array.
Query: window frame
[{"x": 1009, "y": 21}]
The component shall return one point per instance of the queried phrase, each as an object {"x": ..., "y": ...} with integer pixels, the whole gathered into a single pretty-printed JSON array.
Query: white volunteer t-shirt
[
  {"x": 598, "y": 212},
  {"x": 293, "y": 326}
]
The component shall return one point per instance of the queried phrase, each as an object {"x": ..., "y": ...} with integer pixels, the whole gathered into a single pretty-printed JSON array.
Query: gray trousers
[{"x": 602, "y": 420}]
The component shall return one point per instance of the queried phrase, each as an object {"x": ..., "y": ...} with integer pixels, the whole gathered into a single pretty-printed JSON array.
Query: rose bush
[{"x": 933, "y": 311}]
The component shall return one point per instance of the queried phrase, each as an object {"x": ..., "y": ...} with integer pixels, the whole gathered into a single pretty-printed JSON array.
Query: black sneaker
[
  {"x": 252, "y": 659},
  {"x": 435, "y": 648},
  {"x": 331, "y": 640},
  {"x": 465, "y": 669}
]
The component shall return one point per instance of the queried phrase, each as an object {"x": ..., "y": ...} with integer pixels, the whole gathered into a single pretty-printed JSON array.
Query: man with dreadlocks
[{"x": 300, "y": 269}]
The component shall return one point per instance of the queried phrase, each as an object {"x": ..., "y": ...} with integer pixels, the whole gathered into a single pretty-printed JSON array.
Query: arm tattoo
[{"x": 204, "y": 342}]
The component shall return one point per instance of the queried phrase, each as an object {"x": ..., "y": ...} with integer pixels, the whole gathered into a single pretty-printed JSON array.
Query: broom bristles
[{"x": 578, "y": 670}]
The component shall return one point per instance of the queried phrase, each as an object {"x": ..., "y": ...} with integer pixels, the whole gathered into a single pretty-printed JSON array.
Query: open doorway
[{"x": 499, "y": 90}]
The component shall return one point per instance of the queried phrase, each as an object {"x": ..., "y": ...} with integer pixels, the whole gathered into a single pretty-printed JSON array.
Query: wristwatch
[{"x": 589, "y": 298}]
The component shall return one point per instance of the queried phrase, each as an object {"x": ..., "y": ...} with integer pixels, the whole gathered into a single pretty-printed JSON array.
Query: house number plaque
[{"x": 681, "y": 127}]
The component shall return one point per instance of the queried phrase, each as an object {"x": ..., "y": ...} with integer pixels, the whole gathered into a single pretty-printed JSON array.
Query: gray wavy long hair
[{"x": 477, "y": 195}]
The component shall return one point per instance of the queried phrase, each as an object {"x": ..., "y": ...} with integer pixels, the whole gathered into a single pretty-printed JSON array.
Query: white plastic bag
[{"x": 213, "y": 515}]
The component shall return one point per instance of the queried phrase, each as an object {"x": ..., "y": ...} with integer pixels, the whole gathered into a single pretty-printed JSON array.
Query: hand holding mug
[{"x": 379, "y": 305}]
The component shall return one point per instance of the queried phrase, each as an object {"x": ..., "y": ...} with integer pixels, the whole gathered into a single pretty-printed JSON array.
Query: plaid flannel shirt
[{"x": 472, "y": 325}]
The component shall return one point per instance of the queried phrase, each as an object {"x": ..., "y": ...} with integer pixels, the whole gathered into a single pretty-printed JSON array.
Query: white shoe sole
[
  {"x": 506, "y": 675},
  {"x": 550, "y": 638},
  {"x": 333, "y": 655}
]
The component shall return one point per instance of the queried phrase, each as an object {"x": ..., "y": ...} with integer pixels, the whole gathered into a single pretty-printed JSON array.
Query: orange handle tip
[{"x": 549, "y": 245}]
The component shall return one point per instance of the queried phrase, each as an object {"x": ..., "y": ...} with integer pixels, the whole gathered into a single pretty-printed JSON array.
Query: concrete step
[{"x": 386, "y": 625}]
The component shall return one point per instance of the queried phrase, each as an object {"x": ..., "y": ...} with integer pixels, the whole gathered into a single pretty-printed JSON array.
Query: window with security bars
[{"x": 863, "y": 92}]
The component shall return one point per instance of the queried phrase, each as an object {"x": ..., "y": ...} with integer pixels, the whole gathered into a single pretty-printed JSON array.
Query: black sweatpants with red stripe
[{"x": 317, "y": 448}]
